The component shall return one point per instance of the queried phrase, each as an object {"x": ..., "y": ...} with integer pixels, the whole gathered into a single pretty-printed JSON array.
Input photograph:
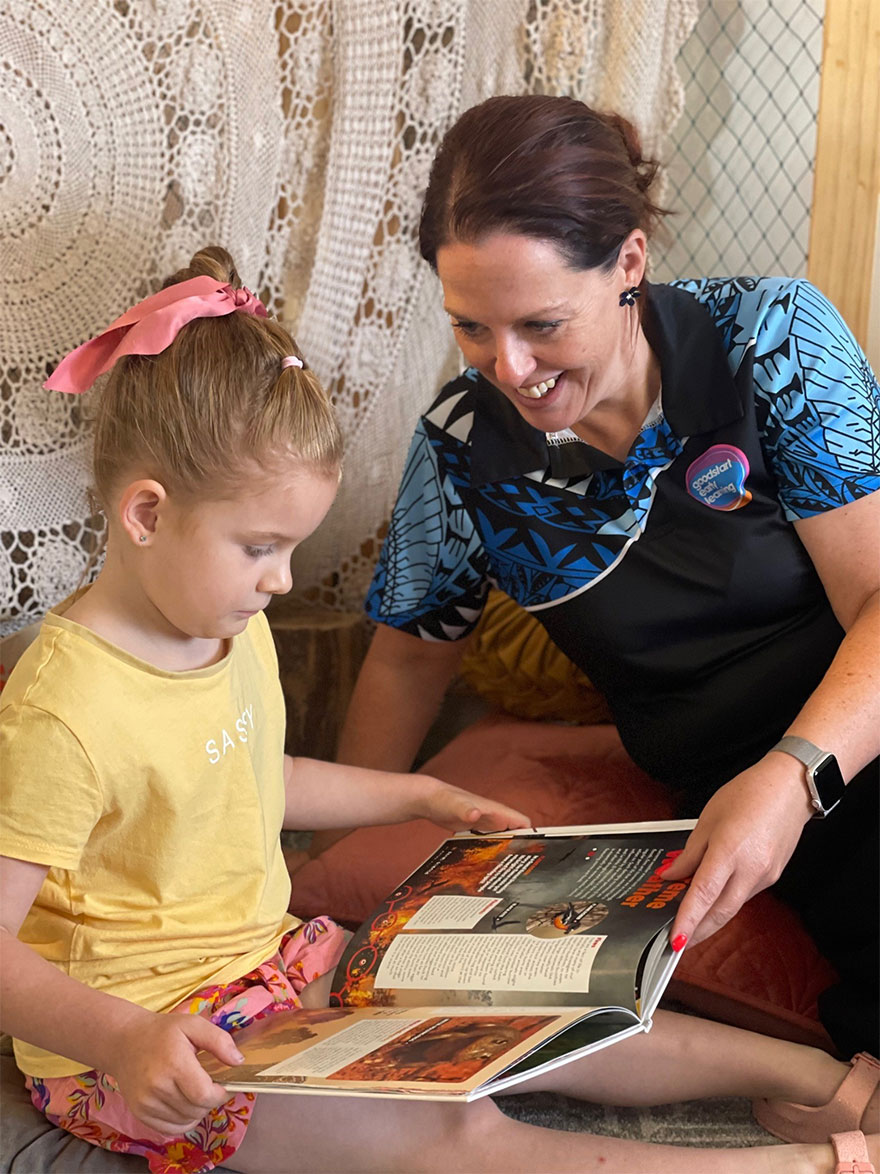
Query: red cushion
[{"x": 761, "y": 971}]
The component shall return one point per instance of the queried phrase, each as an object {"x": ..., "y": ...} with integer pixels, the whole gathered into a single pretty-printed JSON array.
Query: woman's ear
[
  {"x": 632, "y": 259},
  {"x": 140, "y": 505}
]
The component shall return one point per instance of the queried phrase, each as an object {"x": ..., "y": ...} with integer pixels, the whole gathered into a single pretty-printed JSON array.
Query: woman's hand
[
  {"x": 457, "y": 810},
  {"x": 159, "y": 1076},
  {"x": 743, "y": 840}
]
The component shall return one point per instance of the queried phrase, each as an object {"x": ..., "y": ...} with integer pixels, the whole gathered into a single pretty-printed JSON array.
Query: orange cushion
[{"x": 761, "y": 971}]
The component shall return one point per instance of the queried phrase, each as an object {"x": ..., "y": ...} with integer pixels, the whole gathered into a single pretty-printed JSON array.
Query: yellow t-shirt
[{"x": 157, "y": 800}]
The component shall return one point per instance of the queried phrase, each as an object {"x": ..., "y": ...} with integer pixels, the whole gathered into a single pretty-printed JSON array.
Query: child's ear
[{"x": 139, "y": 508}]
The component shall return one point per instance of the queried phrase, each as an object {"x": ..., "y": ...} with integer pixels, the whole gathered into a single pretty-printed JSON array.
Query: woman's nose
[
  {"x": 514, "y": 362},
  {"x": 277, "y": 579}
]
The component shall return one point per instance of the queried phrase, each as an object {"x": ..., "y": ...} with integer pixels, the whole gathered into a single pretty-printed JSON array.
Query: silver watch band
[
  {"x": 800, "y": 749},
  {"x": 811, "y": 757}
]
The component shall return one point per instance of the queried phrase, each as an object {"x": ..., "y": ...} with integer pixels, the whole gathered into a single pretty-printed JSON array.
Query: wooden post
[
  {"x": 846, "y": 186},
  {"x": 319, "y": 658}
]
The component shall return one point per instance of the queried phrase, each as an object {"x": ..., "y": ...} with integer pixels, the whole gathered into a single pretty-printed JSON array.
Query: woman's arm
[
  {"x": 398, "y": 693},
  {"x": 151, "y": 1056},
  {"x": 749, "y": 829},
  {"x": 399, "y": 690},
  {"x": 844, "y": 712}
]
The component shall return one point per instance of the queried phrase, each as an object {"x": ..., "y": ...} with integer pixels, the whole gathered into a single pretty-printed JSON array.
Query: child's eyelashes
[
  {"x": 257, "y": 551},
  {"x": 468, "y": 329}
]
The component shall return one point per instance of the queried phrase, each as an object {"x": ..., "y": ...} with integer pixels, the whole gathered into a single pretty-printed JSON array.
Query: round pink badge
[{"x": 718, "y": 478}]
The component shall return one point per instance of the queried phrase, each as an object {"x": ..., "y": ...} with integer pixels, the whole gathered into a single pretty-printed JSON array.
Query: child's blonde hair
[{"x": 203, "y": 413}]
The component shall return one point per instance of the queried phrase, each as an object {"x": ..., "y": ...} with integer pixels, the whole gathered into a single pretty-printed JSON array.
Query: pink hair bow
[{"x": 150, "y": 327}]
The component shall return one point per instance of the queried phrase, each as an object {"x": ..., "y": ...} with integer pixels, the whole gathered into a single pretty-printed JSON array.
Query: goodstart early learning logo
[{"x": 718, "y": 478}]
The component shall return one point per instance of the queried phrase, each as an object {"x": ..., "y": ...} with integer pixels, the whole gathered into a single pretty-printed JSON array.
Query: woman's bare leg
[
  {"x": 329, "y": 1135},
  {"x": 683, "y": 1058}
]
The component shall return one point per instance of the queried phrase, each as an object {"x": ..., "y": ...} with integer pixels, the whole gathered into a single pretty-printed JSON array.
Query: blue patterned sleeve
[
  {"x": 431, "y": 579},
  {"x": 818, "y": 404}
]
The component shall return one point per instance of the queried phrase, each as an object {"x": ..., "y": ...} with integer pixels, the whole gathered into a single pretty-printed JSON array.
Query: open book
[{"x": 502, "y": 956}]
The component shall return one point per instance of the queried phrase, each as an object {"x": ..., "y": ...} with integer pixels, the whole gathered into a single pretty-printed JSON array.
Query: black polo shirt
[{"x": 674, "y": 579}]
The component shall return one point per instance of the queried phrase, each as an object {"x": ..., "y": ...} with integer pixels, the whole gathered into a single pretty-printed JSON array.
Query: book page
[
  {"x": 345, "y": 1048},
  {"x": 453, "y": 911},
  {"x": 498, "y": 962},
  {"x": 421, "y": 1049},
  {"x": 522, "y": 918}
]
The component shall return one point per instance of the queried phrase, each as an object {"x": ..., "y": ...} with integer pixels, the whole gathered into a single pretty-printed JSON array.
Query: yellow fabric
[
  {"x": 157, "y": 800},
  {"x": 513, "y": 663}
]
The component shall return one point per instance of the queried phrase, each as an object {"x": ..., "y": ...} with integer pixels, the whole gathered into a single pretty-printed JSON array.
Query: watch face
[{"x": 829, "y": 781}]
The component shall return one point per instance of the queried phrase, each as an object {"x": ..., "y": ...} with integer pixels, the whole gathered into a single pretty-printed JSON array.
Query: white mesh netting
[{"x": 298, "y": 133}]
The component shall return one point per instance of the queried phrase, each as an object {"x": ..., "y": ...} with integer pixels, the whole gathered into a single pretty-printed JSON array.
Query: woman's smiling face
[{"x": 554, "y": 340}]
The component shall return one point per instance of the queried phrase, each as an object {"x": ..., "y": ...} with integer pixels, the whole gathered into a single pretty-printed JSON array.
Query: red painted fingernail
[{"x": 679, "y": 942}]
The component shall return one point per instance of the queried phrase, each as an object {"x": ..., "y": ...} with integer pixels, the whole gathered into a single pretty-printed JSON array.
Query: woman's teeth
[{"x": 539, "y": 390}]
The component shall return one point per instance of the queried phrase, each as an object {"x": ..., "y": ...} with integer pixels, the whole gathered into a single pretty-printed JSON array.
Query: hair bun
[
  {"x": 211, "y": 261},
  {"x": 644, "y": 170}
]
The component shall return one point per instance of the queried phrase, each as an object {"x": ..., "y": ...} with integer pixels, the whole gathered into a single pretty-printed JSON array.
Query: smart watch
[{"x": 823, "y": 778}]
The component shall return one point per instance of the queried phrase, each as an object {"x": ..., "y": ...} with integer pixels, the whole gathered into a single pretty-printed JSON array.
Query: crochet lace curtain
[{"x": 297, "y": 133}]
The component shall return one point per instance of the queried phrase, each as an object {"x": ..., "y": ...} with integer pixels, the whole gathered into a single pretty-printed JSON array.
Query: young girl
[{"x": 145, "y": 786}]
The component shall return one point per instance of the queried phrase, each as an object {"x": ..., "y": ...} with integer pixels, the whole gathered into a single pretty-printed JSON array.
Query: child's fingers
[
  {"x": 458, "y": 809},
  {"x": 196, "y": 1091},
  {"x": 192, "y": 1107},
  {"x": 499, "y": 819},
  {"x": 185, "y": 1099},
  {"x": 206, "y": 1035},
  {"x": 167, "y": 1110},
  {"x": 506, "y": 817},
  {"x": 516, "y": 819},
  {"x": 172, "y": 1119}
]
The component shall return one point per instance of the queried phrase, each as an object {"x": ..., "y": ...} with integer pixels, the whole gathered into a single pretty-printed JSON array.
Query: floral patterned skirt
[{"x": 89, "y": 1105}]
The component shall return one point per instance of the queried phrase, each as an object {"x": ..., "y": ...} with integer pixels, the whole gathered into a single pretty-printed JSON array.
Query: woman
[{"x": 681, "y": 483}]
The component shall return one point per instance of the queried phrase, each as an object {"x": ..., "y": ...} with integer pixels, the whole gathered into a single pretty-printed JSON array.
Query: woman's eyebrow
[{"x": 544, "y": 312}]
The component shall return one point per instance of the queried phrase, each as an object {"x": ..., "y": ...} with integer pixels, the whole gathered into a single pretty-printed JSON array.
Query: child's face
[{"x": 217, "y": 563}]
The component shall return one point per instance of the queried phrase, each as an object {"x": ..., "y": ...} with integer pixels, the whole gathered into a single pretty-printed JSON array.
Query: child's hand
[
  {"x": 458, "y": 810},
  {"x": 159, "y": 1076}
]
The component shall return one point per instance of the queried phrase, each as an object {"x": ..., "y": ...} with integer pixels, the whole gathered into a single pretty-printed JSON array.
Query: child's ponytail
[
  {"x": 215, "y": 404},
  {"x": 299, "y": 407}
]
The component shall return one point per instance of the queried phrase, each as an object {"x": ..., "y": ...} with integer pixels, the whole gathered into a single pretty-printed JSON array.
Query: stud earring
[
  {"x": 628, "y": 297},
  {"x": 143, "y": 538}
]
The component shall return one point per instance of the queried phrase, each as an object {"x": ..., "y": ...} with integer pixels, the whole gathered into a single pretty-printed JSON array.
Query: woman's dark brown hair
[{"x": 544, "y": 167}]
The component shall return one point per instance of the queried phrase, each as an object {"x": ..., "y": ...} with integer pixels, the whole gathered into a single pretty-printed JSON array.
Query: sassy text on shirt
[{"x": 216, "y": 748}]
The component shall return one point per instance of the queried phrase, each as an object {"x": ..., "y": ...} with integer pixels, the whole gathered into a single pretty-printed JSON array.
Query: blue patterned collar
[{"x": 699, "y": 395}]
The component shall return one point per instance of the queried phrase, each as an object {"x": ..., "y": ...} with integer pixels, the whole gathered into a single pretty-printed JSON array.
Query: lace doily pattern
[{"x": 299, "y": 134}]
